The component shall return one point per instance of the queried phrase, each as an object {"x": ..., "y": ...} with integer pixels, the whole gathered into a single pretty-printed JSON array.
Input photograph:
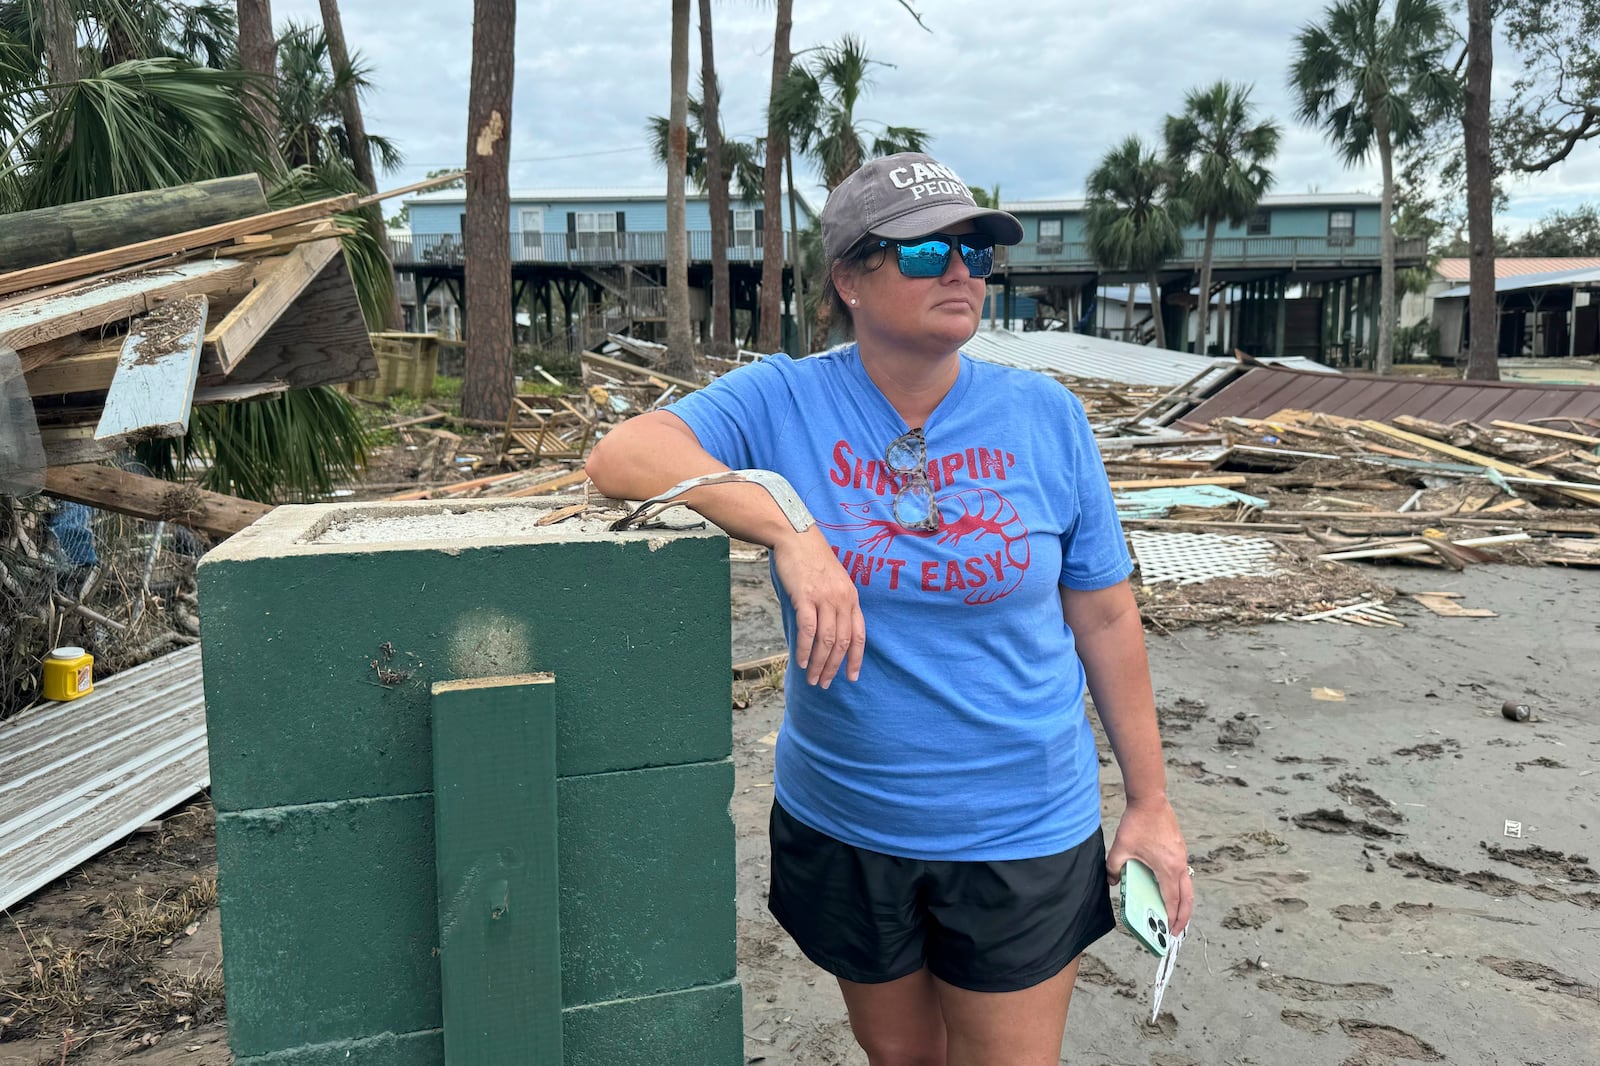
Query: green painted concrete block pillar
[{"x": 326, "y": 630}]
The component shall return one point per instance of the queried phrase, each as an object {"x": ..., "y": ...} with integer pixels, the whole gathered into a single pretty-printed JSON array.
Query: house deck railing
[
  {"x": 599, "y": 249},
  {"x": 1227, "y": 252},
  {"x": 586, "y": 249}
]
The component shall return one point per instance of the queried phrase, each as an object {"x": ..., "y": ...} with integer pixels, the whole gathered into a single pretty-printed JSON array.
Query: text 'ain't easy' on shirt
[{"x": 965, "y": 737}]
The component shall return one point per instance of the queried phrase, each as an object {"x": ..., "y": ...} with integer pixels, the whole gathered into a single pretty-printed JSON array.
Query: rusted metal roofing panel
[
  {"x": 1586, "y": 276},
  {"x": 1265, "y": 391},
  {"x": 77, "y": 777},
  {"x": 1515, "y": 266}
]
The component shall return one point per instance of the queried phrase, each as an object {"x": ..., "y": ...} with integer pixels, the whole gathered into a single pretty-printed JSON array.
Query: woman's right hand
[{"x": 829, "y": 629}]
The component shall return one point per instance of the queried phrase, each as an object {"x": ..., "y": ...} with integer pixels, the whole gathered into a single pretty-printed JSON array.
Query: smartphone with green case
[{"x": 1143, "y": 912}]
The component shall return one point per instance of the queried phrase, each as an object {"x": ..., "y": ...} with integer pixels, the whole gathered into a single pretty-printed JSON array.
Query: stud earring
[{"x": 853, "y": 301}]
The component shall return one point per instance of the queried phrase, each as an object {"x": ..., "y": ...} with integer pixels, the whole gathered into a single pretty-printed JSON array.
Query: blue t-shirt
[{"x": 965, "y": 737}]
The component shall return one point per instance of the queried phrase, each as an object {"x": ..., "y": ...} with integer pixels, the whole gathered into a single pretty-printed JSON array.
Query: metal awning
[{"x": 1557, "y": 279}]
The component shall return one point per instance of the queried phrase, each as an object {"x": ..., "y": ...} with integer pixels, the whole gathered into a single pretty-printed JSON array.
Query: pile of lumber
[
  {"x": 122, "y": 314},
  {"x": 1407, "y": 488}
]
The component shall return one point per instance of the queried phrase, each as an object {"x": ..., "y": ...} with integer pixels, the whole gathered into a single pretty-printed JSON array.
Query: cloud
[{"x": 1024, "y": 96}]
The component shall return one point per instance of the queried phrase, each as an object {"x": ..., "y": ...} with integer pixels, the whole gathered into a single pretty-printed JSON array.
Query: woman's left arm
[{"x": 1110, "y": 638}]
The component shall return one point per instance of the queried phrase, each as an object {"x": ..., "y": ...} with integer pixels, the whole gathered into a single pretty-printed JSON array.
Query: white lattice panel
[{"x": 1190, "y": 558}]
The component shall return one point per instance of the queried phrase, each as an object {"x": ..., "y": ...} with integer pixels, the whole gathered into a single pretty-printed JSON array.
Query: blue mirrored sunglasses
[{"x": 929, "y": 257}]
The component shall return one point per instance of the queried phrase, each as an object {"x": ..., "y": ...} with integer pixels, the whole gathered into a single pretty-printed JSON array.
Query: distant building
[
  {"x": 602, "y": 251},
  {"x": 1548, "y": 307},
  {"x": 1298, "y": 278}
]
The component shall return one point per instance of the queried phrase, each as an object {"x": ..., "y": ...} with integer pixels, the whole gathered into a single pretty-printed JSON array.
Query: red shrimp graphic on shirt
[{"x": 980, "y": 517}]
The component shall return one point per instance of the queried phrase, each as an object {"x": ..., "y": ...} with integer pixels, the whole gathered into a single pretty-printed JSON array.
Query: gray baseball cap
[{"x": 905, "y": 195}]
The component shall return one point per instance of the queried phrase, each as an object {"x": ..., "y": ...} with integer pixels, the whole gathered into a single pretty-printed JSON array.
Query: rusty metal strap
[{"x": 777, "y": 487}]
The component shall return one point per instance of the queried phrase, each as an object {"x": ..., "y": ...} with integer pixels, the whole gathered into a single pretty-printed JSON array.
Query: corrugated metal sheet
[
  {"x": 1082, "y": 356},
  {"x": 1079, "y": 355},
  {"x": 1266, "y": 391},
  {"x": 1332, "y": 199},
  {"x": 1516, "y": 283},
  {"x": 77, "y": 777},
  {"x": 1157, "y": 503},
  {"x": 1511, "y": 267}
]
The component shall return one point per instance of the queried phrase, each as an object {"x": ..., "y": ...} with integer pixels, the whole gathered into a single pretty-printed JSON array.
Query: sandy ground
[{"x": 1359, "y": 902}]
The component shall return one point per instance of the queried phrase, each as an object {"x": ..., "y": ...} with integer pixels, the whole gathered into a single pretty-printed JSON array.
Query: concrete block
[
  {"x": 299, "y": 607},
  {"x": 388, "y": 1049},
  {"x": 647, "y": 881},
  {"x": 694, "y": 1027},
  {"x": 329, "y": 922}
]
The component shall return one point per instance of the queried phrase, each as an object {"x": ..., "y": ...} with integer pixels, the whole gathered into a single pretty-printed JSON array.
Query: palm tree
[
  {"x": 148, "y": 111},
  {"x": 489, "y": 384},
  {"x": 711, "y": 92},
  {"x": 258, "y": 52},
  {"x": 1134, "y": 221},
  {"x": 741, "y": 160},
  {"x": 355, "y": 130},
  {"x": 741, "y": 170},
  {"x": 680, "y": 345},
  {"x": 1222, "y": 153},
  {"x": 770, "y": 311},
  {"x": 816, "y": 104},
  {"x": 1372, "y": 76},
  {"x": 142, "y": 124},
  {"x": 310, "y": 86}
]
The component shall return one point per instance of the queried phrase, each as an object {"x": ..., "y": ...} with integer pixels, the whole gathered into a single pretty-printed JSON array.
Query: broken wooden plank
[
  {"x": 754, "y": 668},
  {"x": 323, "y": 342},
  {"x": 417, "y": 186},
  {"x": 1541, "y": 431},
  {"x": 85, "y": 372},
  {"x": 278, "y": 284},
  {"x": 1225, "y": 480},
  {"x": 93, "y": 306},
  {"x": 638, "y": 371},
  {"x": 1419, "y": 546},
  {"x": 153, "y": 389},
  {"x": 576, "y": 477},
  {"x": 176, "y": 244},
  {"x": 1444, "y": 605},
  {"x": 1477, "y": 459},
  {"x": 455, "y": 487},
  {"x": 152, "y": 498}
]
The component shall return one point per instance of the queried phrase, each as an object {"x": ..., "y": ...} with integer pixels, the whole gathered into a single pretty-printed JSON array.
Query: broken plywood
[
  {"x": 106, "y": 301},
  {"x": 323, "y": 340},
  {"x": 153, "y": 389},
  {"x": 278, "y": 284}
]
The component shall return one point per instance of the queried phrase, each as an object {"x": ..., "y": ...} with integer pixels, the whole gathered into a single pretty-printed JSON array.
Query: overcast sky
[{"x": 1024, "y": 95}]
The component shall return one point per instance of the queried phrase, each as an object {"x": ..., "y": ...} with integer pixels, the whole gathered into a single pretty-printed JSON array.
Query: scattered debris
[
  {"x": 1190, "y": 558},
  {"x": 1444, "y": 604}
]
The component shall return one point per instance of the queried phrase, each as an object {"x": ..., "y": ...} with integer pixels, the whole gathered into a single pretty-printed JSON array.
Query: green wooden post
[{"x": 494, "y": 801}]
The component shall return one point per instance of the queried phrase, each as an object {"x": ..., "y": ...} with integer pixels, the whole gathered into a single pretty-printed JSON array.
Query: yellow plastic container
[{"x": 68, "y": 674}]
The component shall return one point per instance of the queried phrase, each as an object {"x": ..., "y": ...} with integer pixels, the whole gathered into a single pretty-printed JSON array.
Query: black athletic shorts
[{"x": 984, "y": 926}]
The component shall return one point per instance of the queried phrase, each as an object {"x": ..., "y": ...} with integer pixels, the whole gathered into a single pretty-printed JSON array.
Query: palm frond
[
  {"x": 290, "y": 448},
  {"x": 144, "y": 124}
]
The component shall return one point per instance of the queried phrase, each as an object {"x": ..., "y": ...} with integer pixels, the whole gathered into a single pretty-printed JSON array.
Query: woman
[{"x": 936, "y": 840}]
